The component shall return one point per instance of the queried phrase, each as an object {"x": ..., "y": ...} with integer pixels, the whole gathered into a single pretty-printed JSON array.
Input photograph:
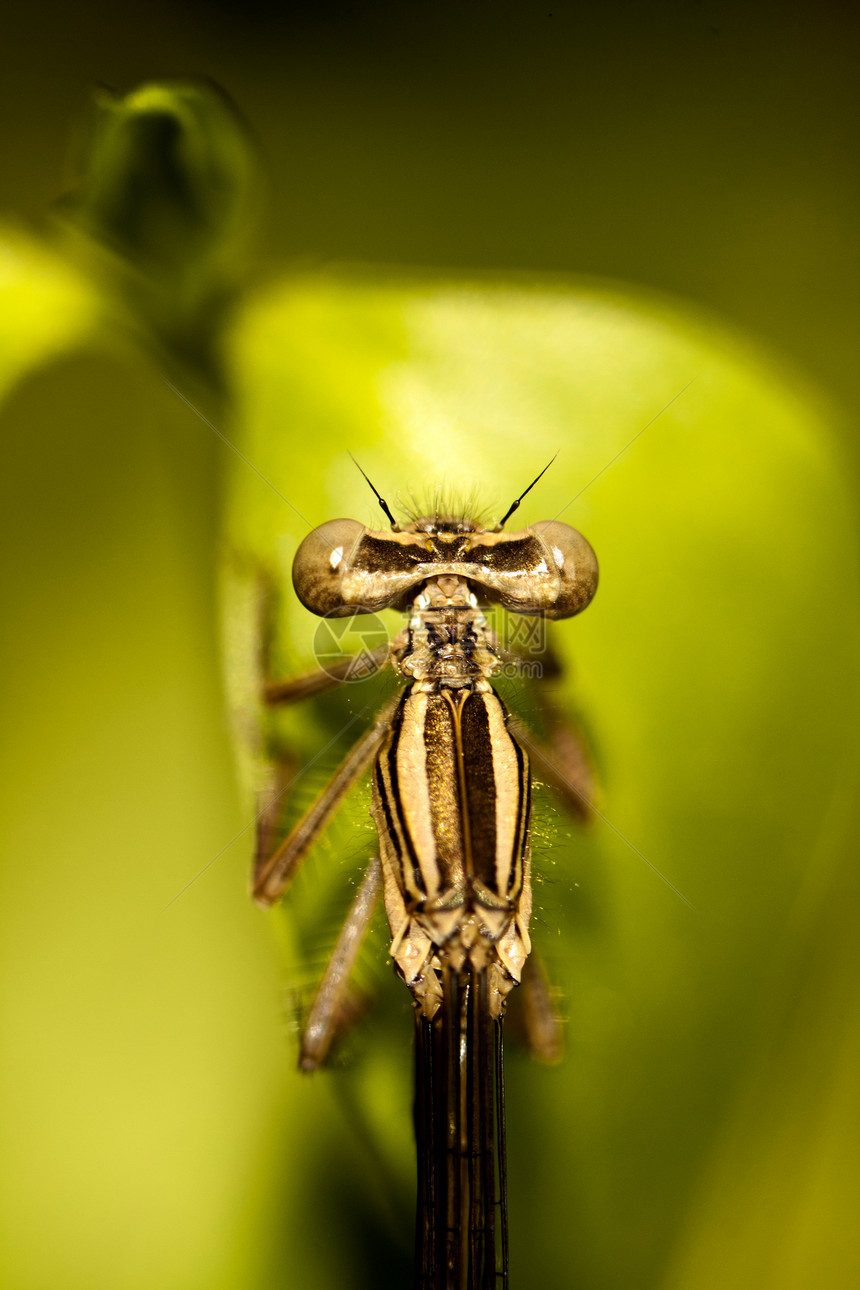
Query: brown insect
[{"x": 451, "y": 802}]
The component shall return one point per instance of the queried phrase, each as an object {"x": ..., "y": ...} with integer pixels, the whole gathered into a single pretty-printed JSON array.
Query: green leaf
[
  {"x": 715, "y": 670},
  {"x": 46, "y": 307},
  {"x": 170, "y": 185},
  {"x": 130, "y": 1030},
  {"x": 696, "y": 1131}
]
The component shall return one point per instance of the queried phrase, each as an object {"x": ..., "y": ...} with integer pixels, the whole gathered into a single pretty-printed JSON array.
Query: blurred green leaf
[
  {"x": 171, "y": 186},
  {"x": 133, "y": 1023},
  {"x": 46, "y": 306},
  {"x": 716, "y": 669}
]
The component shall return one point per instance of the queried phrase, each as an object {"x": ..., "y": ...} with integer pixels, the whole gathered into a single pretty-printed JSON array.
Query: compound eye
[
  {"x": 319, "y": 563},
  {"x": 575, "y": 562}
]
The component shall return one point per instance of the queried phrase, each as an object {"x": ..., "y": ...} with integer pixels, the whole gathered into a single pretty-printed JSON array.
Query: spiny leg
[
  {"x": 560, "y": 756},
  {"x": 318, "y": 680},
  {"x": 273, "y": 867},
  {"x": 305, "y": 685},
  {"x": 279, "y": 769},
  {"x": 283, "y": 769},
  {"x": 275, "y": 873},
  {"x": 568, "y": 750},
  {"x": 333, "y": 1011},
  {"x": 335, "y": 1006},
  {"x": 271, "y": 802},
  {"x": 533, "y": 1016},
  {"x": 562, "y": 765}
]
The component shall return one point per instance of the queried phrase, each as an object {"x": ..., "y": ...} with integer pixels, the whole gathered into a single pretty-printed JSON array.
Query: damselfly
[{"x": 451, "y": 802}]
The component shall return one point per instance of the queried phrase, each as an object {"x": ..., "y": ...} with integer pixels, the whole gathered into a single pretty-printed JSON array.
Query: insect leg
[
  {"x": 561, "y": 762},
  {"x": 318, "y": 680},
  {"x": 271, "y": 801},
  {"x": 532, "y": 1014},
  {"x": 304, "y": 685},
  {"x": 561, "y": 753},
  {"x": 274, "y": 873},
  {"x": 332, "y": 1012}
]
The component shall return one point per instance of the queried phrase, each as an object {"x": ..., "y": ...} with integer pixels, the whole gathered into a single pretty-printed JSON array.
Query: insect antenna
[
  {"x": 509, "y": 512},
  {"x": 382, "y": 502}
]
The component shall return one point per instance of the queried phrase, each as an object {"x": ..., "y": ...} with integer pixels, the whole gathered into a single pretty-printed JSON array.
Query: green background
[{"x": 702, "y": 1130}]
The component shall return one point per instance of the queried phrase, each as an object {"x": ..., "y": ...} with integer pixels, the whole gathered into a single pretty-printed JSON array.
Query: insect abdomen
[{"x": 451, "y": 803}]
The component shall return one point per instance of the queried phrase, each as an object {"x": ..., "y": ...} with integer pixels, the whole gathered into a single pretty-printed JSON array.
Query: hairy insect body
[
  {"x": 451, "y": 795},
  {"x": 447, "y": 642},
  {"x": 451, "y": 800}
]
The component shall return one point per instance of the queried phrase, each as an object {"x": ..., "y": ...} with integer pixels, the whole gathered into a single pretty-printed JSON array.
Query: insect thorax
[{"x": 447, "y": 643}]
